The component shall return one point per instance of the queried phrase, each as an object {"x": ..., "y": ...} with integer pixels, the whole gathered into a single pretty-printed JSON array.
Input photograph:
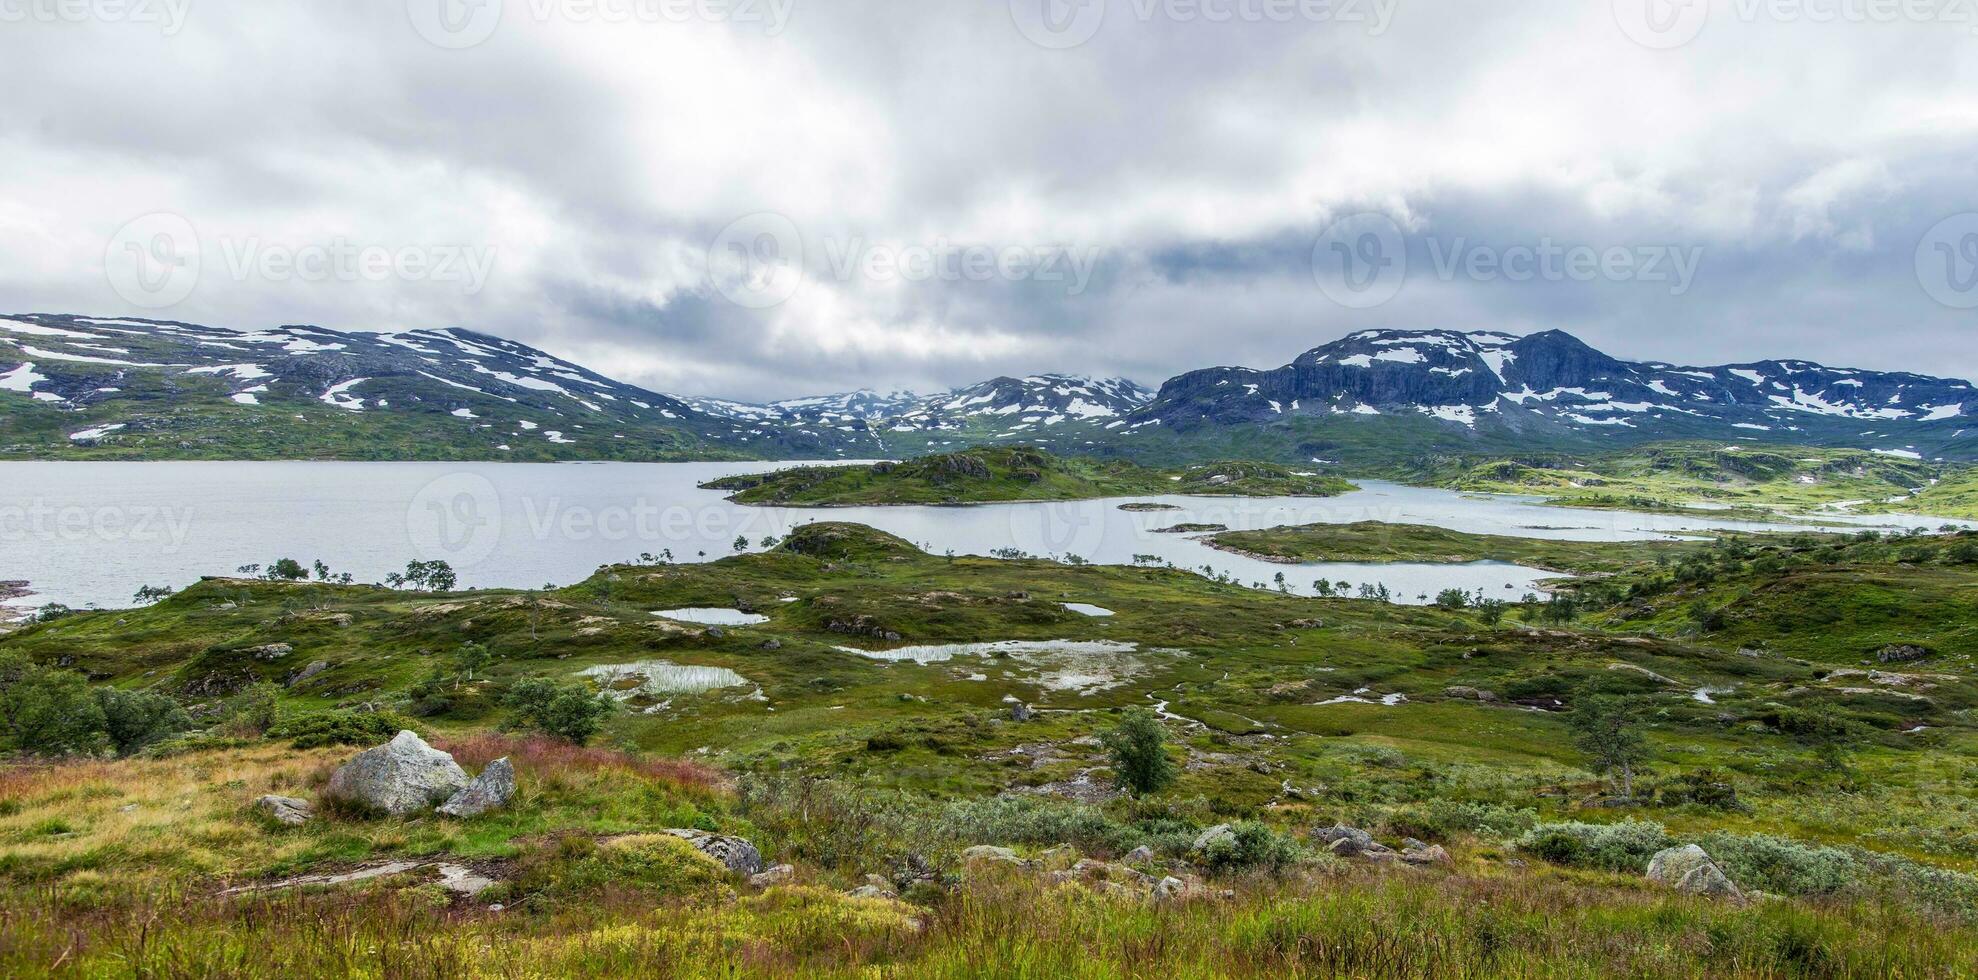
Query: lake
[{"x": 92, "y": 533}]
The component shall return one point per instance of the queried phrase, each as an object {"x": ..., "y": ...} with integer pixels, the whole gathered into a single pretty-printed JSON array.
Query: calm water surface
[{"x": 92, "y": 533}]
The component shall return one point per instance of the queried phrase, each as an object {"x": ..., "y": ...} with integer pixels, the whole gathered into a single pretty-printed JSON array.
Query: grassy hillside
[
  {"x": 1376, "y": 541},
  {"x": 1282, "y": 715},
  {"x": 1665, "y": 475},
  {"x": 988, "y": 475}
]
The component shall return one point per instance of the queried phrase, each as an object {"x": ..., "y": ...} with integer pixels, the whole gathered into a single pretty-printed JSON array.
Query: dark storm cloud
[{"x": 1189, "y": 165}]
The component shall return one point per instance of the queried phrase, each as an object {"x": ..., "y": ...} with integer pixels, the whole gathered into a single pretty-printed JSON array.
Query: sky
[{"x": 760, "y": 199}]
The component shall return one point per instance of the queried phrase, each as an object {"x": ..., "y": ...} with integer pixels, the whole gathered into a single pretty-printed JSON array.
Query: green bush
[
  {"x": 1250, "y": 846},
  {"x": 1624, "y": 846},
  {"x": 339, "y": 726},
  {"x": 570, "y": 712},
  {"x": 578, "y": 868},
  {"x": 48, "y": 711},
  {"x": 136, "y": 719}
]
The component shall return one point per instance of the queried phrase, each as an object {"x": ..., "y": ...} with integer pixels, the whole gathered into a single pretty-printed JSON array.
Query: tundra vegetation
[{"x": 948, "y": 773}]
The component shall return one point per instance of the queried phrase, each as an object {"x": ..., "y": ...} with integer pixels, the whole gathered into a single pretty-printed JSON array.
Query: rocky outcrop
[
  {"x": 735, "y": 853},
  {"x": 1689, "y": 869},
  {"x": 1900, "y": 653},
  {"x": 286, "y": 810},
  {"x": 489, "y": 790},
  {"x": 401, "y": 777}
]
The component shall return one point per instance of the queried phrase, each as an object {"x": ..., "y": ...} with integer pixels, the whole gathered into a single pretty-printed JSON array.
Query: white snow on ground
[
  {"x": 1752, "y": 425},
  {"x": 1803, "y": 401},
  {"x": 1937, "y": 413},
  {"x": 96, "y": 433},
  {"x": 1452, "y": 413},
  {"x": 557, "y": 437},
  {"x": 1364, "y": 409},
  {"x": 1496, "y": 359},
  {"x": 36, "y": 330},
  {"x": 87, "y": 359},
  {"x": 1903, "y": 453},
  {"x": 519, "y": 381},
  {"x": 526, "y": 424},
  {"x": 303, "y": 345},
  {"x": 455, "y": 384},
  {"x": 1401, "y": 355},
  {"x": 21, "y": 379},
  {"x": 462, "y": 413},
  {"x": 245, "y": 372},
  {"x": 1662, "y": 389},
  {"x": 1357, "y": 360},
  {"x": 1752, "y": 376},
  {"x": 336, "y": 395},
  {"x": 246, "y": 397}
]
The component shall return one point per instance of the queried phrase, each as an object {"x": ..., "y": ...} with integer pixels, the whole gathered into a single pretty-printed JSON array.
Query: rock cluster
[
  {"x": 400, "y": 777},
  {"x": 406, "y": 776}
]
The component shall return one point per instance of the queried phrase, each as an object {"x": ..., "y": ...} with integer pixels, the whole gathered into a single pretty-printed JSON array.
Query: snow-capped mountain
[
  {"x": 999, "y": 404},
  {"x": 1550, "y": 383},
  {"x": 296, "y": 390},
  {"x": 134, "y": 388}
]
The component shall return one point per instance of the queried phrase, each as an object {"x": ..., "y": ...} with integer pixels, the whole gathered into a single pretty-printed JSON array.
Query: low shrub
[
  {"x": 339, "y": 726},
  {"x": 1624, "y": 846}
]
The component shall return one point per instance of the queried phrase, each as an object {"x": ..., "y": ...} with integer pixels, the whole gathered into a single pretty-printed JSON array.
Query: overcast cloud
[{"x": 927, "y": 194}]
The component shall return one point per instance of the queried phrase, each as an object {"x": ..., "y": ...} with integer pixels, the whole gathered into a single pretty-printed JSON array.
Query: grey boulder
[
  {"x": 734, "y": 852},
  {"x": 286, "y": 809},
  {"x": 401, "y": 777},
  {"x": 489, "y": 790},
  {"x": 1689, "y": 869}
]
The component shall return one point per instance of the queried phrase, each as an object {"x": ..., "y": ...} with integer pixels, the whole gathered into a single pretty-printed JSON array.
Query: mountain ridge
[{"x": 137, "y": 388}]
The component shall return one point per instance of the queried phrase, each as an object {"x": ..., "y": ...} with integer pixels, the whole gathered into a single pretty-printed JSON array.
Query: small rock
[
  {"x": 1020, "y": 712},
  {"x": 489, "y": 790},
  {"x": 286, "y": 810},
  {"x": 1343, "y": 840},
  {"x": 271, "y": 651},
  {"x": 773, "y": 875},
  {"x": 870, "y": 891},
  {"x": 1425, "y": 854},
  {"x": 987, "y": 853},
  {"x": 315, "y": 667},
  {"x": 1209, "y": 836},
  {"x": 738, "y": 854},
  {"x": 1139, "y": 855}
]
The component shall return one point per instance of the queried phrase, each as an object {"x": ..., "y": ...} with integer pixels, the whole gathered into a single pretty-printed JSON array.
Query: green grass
[
  {"x": 1377, "y": 541},
  {"x": 988, "y": 475},
  {"x": 844, "y": 765}
]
